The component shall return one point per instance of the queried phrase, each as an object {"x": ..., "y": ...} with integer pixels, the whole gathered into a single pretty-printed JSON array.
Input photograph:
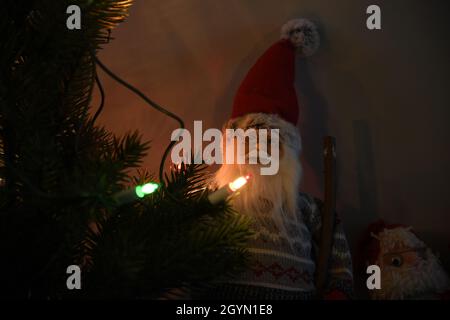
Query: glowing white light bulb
[
  {"x": 238, "y": 183},
  {"x": 223, "y": 193}
]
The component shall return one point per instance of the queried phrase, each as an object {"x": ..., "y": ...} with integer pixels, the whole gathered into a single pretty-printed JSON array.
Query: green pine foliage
[
  {"x": 158, "y": 244},
  {"x": 59, "y": 172}
]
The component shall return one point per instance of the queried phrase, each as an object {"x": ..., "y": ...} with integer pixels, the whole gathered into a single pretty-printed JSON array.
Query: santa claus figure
[
  {"x": 409, "y": 270},
  {"x": 286, "y": 222}
]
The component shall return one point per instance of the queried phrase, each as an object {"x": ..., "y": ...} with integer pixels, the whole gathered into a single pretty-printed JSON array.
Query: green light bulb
[{"x": 145, "y": 189}]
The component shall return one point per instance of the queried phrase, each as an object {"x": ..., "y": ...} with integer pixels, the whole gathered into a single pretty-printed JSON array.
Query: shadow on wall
[
  {"x": 365, "y": 170},
  {"x": 367, "y": 193},
  {"x": 313, "y": 127}
]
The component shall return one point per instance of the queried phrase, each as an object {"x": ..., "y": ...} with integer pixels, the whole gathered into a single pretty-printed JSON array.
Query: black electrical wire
[
  {"x": 155, "y": 106},
  {"x": 102, "y": 98}
]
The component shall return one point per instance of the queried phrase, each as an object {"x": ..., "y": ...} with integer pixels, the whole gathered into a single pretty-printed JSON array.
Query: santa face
[
  {"x": 408, "y": 267},
  {"x": 267, "y": 194}
]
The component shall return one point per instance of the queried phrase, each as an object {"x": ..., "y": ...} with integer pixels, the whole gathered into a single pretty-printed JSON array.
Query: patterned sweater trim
[
  {"x": 279, "y": 254},
  {"x": 269, "y": 285}
]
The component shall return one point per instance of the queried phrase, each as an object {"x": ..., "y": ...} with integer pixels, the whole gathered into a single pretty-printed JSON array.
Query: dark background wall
[{"x": 382, "y": 94}]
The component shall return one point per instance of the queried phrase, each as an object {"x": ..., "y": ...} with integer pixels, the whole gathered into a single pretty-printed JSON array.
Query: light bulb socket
[
  {"x": 220, "y": 195},
  {"x": 125, "y": 196}
]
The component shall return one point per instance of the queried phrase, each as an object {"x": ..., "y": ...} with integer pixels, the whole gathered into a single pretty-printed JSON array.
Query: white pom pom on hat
[{"x": 303, "y": 34}]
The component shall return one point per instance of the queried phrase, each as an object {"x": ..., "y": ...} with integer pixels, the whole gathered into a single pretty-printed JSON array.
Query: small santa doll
[
  {"x": 286, "y": 222},
  {"x": 408, "y": 268}
]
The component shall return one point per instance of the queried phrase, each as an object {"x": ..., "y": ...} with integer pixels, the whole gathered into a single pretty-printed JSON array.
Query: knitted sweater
[{"x": 280, "y": 270}]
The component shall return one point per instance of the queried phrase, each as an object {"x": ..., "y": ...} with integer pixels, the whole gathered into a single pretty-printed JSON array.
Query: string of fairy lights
[{"x": 141, "y": 191}]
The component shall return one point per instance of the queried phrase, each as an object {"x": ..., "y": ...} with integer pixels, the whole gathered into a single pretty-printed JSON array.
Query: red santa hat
[
  {"x": 267, "y": 97},
  {"x": 268, "y": 87}
]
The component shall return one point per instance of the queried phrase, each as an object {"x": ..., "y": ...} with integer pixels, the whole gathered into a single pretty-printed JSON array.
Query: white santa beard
[
  {"x": 428, "y": 276},
  {"x": 275, "y": 195}
]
